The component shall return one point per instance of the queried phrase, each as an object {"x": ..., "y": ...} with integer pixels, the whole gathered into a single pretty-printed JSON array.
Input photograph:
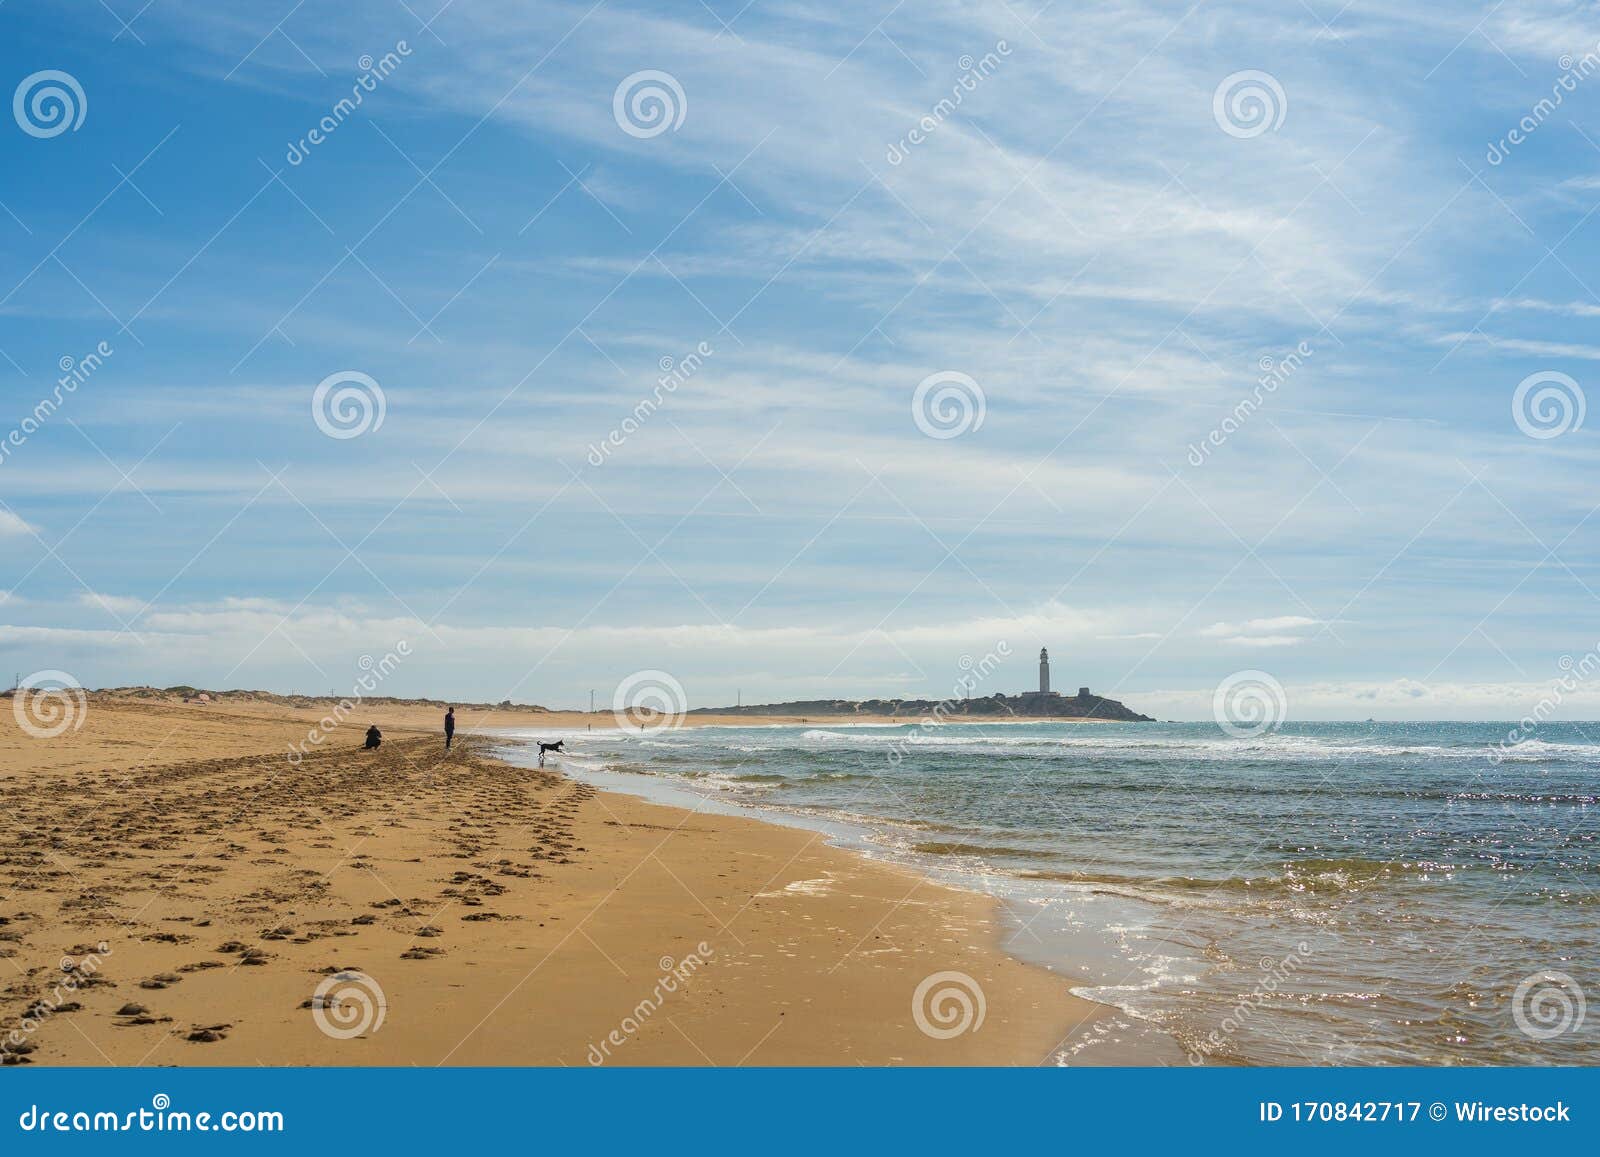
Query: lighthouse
[{"x": 1044, "y": 671}]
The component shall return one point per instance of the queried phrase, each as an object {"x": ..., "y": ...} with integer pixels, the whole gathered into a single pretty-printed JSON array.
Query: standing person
[{"x": 449, "y": 727}]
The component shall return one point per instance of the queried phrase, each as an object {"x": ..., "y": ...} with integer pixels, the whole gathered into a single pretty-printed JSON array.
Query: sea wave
[
  {"x": 1271, "y": 747},
  {"x": 1290, "y": 877}
]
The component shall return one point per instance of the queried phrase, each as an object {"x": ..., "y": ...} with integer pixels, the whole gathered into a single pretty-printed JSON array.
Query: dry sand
[{"x": 199, "y": 887}]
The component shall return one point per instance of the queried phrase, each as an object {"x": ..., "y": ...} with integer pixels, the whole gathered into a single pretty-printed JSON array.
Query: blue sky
[{"x": 1104, "y": 247}]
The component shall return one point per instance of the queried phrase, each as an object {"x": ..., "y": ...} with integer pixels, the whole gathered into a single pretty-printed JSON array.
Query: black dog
[{"x": 544, "y": 747}]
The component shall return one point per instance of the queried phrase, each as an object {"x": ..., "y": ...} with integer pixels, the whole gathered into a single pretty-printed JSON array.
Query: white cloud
[
  {"x": 1395, "y": 699},
  {"x": 118, "y": 605},
  {"x": 1564, "y": 308},
  {"x": 1153, "y": 259},
  {"x": 1268, "y": 632},
  {"x": 256, "y": 643},
  {"x": 1554, "y": 349}
]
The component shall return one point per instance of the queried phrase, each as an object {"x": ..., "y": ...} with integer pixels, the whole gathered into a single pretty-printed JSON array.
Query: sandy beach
[{"x": 174, "y": 890}]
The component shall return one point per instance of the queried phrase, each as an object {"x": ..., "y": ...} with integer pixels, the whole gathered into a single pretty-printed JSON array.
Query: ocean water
[{"x": 1327, "y": 893}]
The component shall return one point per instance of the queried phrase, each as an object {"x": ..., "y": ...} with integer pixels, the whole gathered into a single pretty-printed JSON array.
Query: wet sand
[{"x": 175, "y": 891}]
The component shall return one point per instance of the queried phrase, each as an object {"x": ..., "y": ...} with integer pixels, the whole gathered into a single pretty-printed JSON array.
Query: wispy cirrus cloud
[
  {"x": 1279, "y": 631},
  {"x": 1080, "y": 237}
]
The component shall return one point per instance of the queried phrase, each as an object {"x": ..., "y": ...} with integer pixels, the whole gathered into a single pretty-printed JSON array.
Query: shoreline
[
  {"x": 503, "y": 918},
  {"x": 1191, "y": 879},
  {"x": 1085, "y": 956}
]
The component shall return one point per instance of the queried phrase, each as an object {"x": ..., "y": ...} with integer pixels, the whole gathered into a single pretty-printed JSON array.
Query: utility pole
[{"x": 591, "y": 701}]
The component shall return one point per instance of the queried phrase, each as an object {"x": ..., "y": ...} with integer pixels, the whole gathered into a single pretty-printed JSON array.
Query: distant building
[{"x": 1044, "y": 700}]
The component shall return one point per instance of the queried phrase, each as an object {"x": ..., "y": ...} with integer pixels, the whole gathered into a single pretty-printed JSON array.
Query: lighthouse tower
[{"x": 1044, "y": 671}]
